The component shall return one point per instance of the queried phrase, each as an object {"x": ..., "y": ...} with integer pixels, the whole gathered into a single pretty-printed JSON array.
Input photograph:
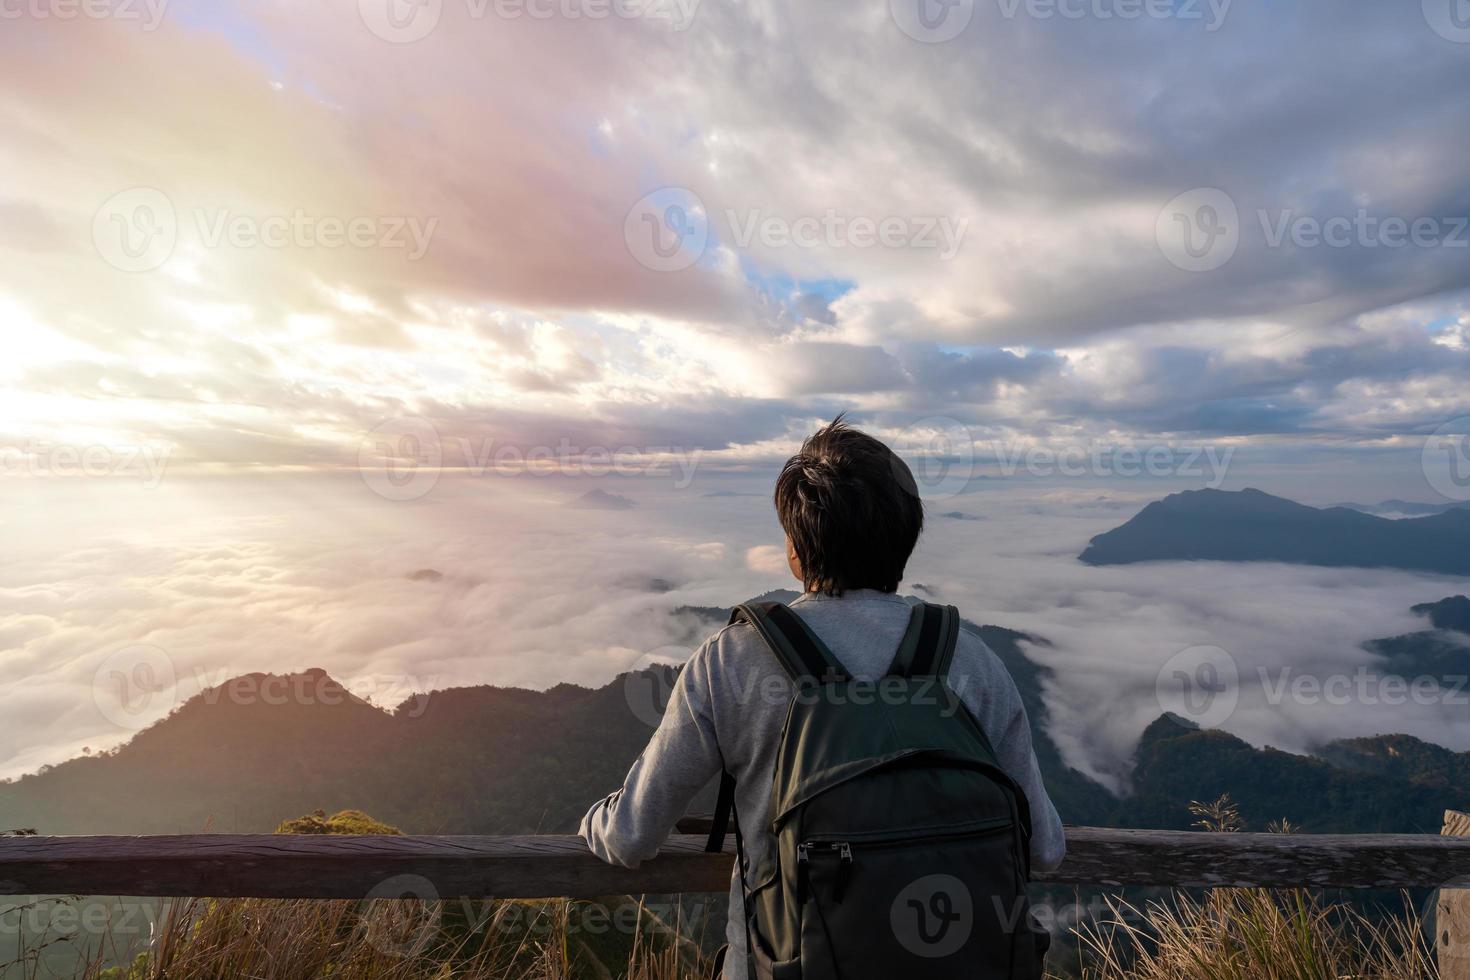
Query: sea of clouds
[{"x": 504, "y": 580}]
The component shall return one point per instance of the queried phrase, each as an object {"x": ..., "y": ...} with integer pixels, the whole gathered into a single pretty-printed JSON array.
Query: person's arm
[
  {"x": 628, "y": 827},
  {"x": 990, "y": 692}
]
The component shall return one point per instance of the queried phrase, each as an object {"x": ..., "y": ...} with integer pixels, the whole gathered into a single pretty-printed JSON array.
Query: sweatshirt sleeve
[
  {"x": 682, "y": 757},
  {"x": 986, "y": 687}
]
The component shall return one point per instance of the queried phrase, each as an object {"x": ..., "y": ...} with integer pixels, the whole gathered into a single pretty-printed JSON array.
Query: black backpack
[{"x": 902, "y": 848}]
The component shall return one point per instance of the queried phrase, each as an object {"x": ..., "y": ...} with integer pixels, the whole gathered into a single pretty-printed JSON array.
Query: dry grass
[
  {"x": 1252, "y": 933},
  {"x": 1230, "y": 934},
  {"x": 398, "y": 939}
]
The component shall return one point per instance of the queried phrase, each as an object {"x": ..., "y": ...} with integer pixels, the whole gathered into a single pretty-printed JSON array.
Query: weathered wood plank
[
  {"x": 1452, "y": 913},
  {"x": 329, "y": 866},
  {"x": 1187, "y": 859},
  {"x": 283, "y": 866},
  {"x": 1190, "y": 859}
]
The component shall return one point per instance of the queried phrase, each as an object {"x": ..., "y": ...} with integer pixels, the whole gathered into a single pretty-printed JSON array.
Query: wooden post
[{"x": 1452, "y": 915}]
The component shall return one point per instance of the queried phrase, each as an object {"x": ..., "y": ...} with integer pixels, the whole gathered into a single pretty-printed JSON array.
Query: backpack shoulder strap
[
  {"x": 927, "y": 647},
  {"x": 801, "y": 652}
]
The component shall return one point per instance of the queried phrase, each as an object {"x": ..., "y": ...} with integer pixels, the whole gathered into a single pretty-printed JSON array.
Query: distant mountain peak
[
  {"x": 1252, "y": 525},
  {"x": 312, "y": 687},
  {"x": 1452, "y": 613},
  {"x": 599, "y": 499},
  {"x": 1167, "y": 725}
]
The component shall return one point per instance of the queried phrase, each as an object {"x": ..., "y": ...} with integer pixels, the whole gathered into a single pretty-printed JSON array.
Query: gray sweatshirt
[{"x": 727, "y": 709}]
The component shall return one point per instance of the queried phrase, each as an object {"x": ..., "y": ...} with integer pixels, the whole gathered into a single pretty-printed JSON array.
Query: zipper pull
[
  {"x": 803, "y": 859},
  {"x": 844, "y": 871}
]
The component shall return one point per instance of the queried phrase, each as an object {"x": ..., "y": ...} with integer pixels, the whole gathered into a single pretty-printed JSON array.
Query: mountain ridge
[
  {"x": 1251, "y": 525},
  {"x": 498, "y": 760}
]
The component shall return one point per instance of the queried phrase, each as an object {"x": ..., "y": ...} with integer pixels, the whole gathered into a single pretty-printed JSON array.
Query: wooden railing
[{"x": 284, "y": 866}]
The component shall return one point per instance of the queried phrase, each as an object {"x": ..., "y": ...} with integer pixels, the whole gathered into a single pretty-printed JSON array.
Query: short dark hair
[{"x": 851, "y": 508}]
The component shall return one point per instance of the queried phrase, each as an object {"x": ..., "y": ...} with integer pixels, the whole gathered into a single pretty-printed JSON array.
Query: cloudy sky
[
  {"x": 250, "y": 232},
  {"x": 247, "y": 245}
]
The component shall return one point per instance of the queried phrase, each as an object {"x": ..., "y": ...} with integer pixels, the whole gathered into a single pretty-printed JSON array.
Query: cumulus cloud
[{"x": 1057, "y": 141}]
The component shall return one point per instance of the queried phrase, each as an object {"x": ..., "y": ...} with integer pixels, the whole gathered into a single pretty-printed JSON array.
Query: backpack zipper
[{"x": 843, "y": 849}]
